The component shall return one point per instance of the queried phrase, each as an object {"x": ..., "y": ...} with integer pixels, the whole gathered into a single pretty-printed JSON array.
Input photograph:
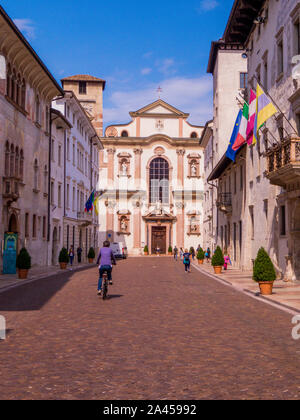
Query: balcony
[
  {"x": 10, "y": 189},
  {"x": 283, "y": 165},
  {"x": 85, "y": 218},
  {"x": 224, "y": 202}
]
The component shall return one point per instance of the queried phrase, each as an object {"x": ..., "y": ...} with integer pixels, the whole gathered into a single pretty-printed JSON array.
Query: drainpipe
[
  {"x": 65, "y": 165},
  {"x": 49, "y": 172}
]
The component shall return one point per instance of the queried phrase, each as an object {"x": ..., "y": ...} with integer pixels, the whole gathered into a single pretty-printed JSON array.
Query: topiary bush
[
  {"x": 263, "y": 268},
  {"x": 200, "y": 255},
  {"x": 170, "y": 249},
  {"x": 24, "y": 260},
  {"x": 63, "y": 256},
  {"x": 91, "y": 254},
  {"x": 146, "y": 249},
  {"x": 218, "y": 258}
]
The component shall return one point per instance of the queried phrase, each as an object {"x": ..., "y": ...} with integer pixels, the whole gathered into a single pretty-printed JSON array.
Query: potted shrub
[
  {"x": 23, "y": 263},
  {"x": 200, "y": 256},
  {"x": 91, "y": 255},
  {"x": 63, "y": 259},
  {"x": 146, "y": 250},
  {"x": 170, "y": 250},
  {"x": 264, "y": 272},
  {"x": 218, "y": 261}
]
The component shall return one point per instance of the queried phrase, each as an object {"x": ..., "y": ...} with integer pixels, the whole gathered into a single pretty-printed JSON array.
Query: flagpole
[{"x": 279, "y": 110}]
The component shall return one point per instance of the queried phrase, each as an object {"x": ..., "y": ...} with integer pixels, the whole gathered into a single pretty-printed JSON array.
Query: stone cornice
[{"x": 146, "y": 141}]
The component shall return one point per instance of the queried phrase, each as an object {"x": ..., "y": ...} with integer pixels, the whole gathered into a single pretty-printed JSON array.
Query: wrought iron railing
[{"x": 224, "y": 202}]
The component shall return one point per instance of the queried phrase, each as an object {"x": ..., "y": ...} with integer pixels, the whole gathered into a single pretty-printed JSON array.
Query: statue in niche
[
  {"x": 124, "y": 225},
  {"x": 159, "y": 209},
  {"x": 124, "y": 168},
  {"x": 194, "y": 169}
]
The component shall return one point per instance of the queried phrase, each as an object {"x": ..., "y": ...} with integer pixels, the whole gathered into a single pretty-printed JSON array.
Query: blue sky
[{"x": 135, "y": 45}]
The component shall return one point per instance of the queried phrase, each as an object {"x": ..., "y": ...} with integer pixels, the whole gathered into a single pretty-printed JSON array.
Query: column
[
  {"x": 137, "y": 222},
  {"x": 138, "y": 167},
  {"x": 111, "y": 166},
  {"x": 180, "y": 225},
  {"x": 180, "y": 167}
]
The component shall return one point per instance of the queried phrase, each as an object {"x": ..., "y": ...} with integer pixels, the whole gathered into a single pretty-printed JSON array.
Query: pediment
[{"x": 159, "y": 107}]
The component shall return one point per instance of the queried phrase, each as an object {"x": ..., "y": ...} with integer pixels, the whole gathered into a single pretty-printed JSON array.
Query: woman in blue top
[{"x": 187, "y": 261}]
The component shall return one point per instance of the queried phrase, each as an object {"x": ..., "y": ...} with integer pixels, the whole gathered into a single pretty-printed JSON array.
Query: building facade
[
  {"x": 81, "y": 162},
  {"x": 26, "y": 91},
  {"x": 153, "y": 170}
]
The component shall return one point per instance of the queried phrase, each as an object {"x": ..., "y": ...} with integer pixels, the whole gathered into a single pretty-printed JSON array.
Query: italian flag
[{"x": 242, "y": 136}]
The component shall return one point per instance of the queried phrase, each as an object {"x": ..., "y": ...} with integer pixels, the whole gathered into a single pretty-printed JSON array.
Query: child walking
[{"x": 187, "y": 261}]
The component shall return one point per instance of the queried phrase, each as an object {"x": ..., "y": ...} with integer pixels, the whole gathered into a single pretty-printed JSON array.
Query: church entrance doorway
[{"x": 159, "y": 239}]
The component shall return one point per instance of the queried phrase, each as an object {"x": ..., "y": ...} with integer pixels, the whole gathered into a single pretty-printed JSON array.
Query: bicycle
[{"x": 105, "y": 286}]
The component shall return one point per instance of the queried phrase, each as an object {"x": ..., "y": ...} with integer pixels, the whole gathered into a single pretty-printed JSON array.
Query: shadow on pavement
[{"x": 33, "y": 296}]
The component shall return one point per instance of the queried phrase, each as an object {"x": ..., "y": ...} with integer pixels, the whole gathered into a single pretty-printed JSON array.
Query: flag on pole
[
  {"x": 90, "y": 202},
  {"x": 231, "y": 154},
  {"x": 251, "y": 122},
  {"x": 265, "y": 109},
  {"x": 96, "y": 201},
  {"x": 242, "y": 134}
]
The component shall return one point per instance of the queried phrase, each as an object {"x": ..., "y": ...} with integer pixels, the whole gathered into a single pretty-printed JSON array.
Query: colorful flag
[
  {"x": 231, "y": 154},
  {"x": 251, "y": 122},
  {"x": 242, "y": 135},
  {"x": 90, "y": 202},
  {"x": 265, "y": 109}
]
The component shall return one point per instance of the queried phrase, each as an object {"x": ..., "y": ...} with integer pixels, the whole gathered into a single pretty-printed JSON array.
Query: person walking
[
  {"x": 175, "y": 251},
  {"x": 181, "y": 254},
  {"x": 227, "y": 261},
  {"x": 193, "y": 253},
  {"x": 208, "y": 255},
  {"x": 79, "y": 254},
  {"x": 71, "y": 255},
  {"x": 187, "y": 261}
]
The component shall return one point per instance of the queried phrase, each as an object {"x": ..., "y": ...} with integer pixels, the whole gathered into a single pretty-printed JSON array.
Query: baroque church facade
[{"x": 152, "y": 176}]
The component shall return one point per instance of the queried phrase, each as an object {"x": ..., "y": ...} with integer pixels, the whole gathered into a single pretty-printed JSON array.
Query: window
[
  {"x": 280, "y": 57},
  {"x": 194, "y": 135},
  {"x": 23, "y": 95},
  {"x": 74, "y": 198},
  {"x": 52, "y": 150},
  {"x": 34, "y": 226},
  {"x": 52, "y": 193},
  {"x": 44, "y": 227},
  {"x": 21, "y": 172},
  {"x": 243, "y": 80},
  {"x": 297, "y": 37},
  {"x": 7, "y": 158},
  {"x": 59, "y": 155},
  {"x": 82, "y": 88},
  {"x": 280, "y": 127},
  {"x": 251, "y": 211},
  {"x": 124, "y": 133},
  {"x": 37, "y": 109},
  {"x": 68, "y": 196},
  {"x": 282, "y": 221},
  {"x": 241, "y": 178},
  {"x": 27, "y": 225},
  {"x": 74, "y": 154},
  {"x": 47, "y": 119},
  {"x": 159, "y": 181},
  {"x": 59, "y": 196},
  {"x": 36, "y": 175}
]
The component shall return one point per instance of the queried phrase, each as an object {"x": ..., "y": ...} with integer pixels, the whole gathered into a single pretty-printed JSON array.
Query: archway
[
  {"x": 55, "y": 247},
  {"x": 13, "y": 224}
]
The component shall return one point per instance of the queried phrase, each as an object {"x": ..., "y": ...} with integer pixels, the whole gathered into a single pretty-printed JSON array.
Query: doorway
[
  {"x": 55, "y": 247},
  {"x": 159, "y": 239},
  {"x": 13, "y": 224}
]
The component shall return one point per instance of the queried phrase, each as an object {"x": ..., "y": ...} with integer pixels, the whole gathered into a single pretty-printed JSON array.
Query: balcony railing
[
  {"x": 224, "y": 202},
  {"x": 11, "y": 188},
  {"x": 85, "y": 217},
  {"x": 283, "y": 164}
]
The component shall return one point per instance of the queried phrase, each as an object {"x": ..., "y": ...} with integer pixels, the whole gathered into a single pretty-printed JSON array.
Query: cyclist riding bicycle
[{"x": 105, "y": 260}]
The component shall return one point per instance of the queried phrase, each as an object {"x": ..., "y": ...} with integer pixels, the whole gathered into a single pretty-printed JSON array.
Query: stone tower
[{"x": 89, "y": 91}]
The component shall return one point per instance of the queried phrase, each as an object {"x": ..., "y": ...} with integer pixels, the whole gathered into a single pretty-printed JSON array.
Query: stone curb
[
  {"x": 255, "y": 295},
  {"x": 41, "y": 277}
]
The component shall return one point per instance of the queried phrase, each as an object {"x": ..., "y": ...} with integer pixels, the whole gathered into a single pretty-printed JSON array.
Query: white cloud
[
  {"x": 166, "y": 66},
  {"x": 208, "y": 5},
  {"x": 146, "y": 71},
  {"x": 26, "y": 26},
  {"x": 189, "y": 95}
]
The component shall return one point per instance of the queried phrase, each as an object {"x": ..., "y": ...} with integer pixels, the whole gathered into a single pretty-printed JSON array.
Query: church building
[{"x": 152, "y": 175}]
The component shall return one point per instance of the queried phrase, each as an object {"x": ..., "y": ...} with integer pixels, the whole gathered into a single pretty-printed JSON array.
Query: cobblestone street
[{"x": 161, "y": 335}]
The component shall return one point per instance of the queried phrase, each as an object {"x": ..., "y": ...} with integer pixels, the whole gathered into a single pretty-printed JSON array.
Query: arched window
[
  {"x": 36, "y": 175},
  {"x": 19, "y": 90},
  {"x": 17, "y": 162},
  {"x": 7, "y": 155},
  {"x": 37, "y": 109},
  {"x": 21, "y": 172},
  {"x": 124, "y": 133},
  {"x": 159, "y": 181},
  {"x": 14, "y": 86},
  {"x": 194, "y": 135},
  {"x": 12, "y": 161},
  {"x": 23, "y": 95}
]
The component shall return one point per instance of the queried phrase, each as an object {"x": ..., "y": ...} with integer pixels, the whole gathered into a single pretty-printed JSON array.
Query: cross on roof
[{"x": 159, "y": 91}]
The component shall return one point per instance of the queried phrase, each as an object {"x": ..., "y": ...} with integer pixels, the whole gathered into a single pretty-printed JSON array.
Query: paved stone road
[{"x": 162, "y": 335}]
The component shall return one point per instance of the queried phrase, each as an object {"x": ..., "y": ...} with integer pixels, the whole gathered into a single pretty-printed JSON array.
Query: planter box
[
  {"x": 22, "y": 274},
  {"x": 266, "y": 288},
  {"x": 91, "y": 260},
  {"x": 218, "y": 270},
  {"x": 63, "y": 266},
  {"x": 200, "y": 262}
]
